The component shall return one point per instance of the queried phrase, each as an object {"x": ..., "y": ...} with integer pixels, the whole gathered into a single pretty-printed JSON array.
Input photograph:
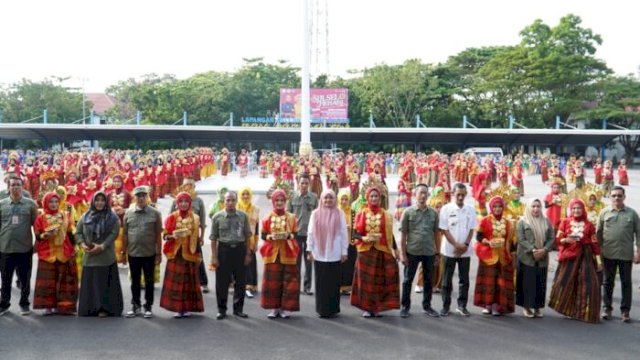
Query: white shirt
[
  {"x": 340, "y": 242},
  {"x": 459, "y": 221}
]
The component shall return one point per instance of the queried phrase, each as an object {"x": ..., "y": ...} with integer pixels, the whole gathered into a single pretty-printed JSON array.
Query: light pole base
[{"x": 305, "y": 149}]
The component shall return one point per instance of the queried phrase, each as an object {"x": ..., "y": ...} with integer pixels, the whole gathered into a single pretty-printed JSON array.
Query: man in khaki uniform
[
  {"x": 142, "y": 245},
  {"x": 231, "y": 251}
]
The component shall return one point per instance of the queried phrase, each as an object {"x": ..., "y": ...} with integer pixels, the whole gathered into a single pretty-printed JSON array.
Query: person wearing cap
[{"x": 142, "y": 245}]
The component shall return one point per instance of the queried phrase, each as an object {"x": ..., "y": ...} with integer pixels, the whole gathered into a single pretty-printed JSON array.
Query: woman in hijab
[
  {"x": 327, "y": 246},
  {"x": 281, "y": 278},
  {"x": 218, "y": 204},
  {"x": 376, "y": 285},
  {"x": 253, "y": 213},
  {"x": 346, "y": 269},
  {"x": 57, "y": 279},
  {"x": 181, "y": 291},
  {"x": 96, "y": 232},
  {"x": 494, "y": 281},
  {"x": 535, "y": 241},
  {"x": 576, "y": 289}
]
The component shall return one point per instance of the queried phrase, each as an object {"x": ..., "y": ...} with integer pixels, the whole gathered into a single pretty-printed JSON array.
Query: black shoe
[
  {"x": 444, "y": 312},
  {"x": 240, "y": 314},
  {"x": 463, "y": 311},
  {"x": 404, "y": 312},
  {"x": 307, "y": 292},
  {"x": 221, "y": 316},
  {"x": 429, "y": 311}
]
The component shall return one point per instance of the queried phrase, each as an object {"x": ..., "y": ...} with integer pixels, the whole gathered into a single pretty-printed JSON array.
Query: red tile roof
[{"x": 101, "y": 102}]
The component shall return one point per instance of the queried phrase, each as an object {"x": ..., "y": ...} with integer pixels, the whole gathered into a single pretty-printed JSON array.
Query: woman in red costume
[
  {"x": 576, "y": 289},
  {"x": 376, "y": 286},
  {"x": 494, "y": 281},
  {"x": 181, "y": 288},
  {"x": 281, "y": 278},
  {"x": 56, "y": 287}
]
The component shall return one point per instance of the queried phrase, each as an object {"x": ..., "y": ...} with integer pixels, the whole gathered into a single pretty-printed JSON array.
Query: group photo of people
[{"x": 326, "y": 226}]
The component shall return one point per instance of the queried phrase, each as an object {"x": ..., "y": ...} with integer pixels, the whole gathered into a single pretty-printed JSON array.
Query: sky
[{"x": 98, "y": 43}]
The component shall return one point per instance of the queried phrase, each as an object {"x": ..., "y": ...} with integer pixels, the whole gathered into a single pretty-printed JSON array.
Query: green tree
[
  {"x": 551, "y": 72},
  {"x": 395, "y": 94},
  {"x": 254, "y": 90},
  {"x": 618, "y": 101},
  {"x": 27, "y": 99}
]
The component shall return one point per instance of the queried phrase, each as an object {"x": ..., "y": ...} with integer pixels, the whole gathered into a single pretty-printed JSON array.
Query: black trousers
[
  {"x": 21, "y": 264},
  {"x": 138, "y": 265},
  {"x": 308, "y": 264},
  {"x": 463, "y": 280},
  {"x": 611, "y": 267},
  {"x": 252, "y": 272},
  {"x": 204, "y": 280},
  {"x": 410, "y": 273},
  {"x": 231, "y": 263}
]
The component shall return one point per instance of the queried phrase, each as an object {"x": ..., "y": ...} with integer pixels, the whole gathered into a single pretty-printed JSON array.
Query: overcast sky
[{"x": 110, "y": 40}]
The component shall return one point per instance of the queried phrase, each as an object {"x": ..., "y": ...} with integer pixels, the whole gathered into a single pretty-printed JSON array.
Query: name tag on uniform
[{"x": 15, "y": 220}]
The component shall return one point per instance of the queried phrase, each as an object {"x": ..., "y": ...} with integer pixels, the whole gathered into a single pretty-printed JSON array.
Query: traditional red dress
[
  {"x": 553, "y": 204},
  {"x": 576, "y": 286},
  {"x": 281, "y": 278},
  {"x": 57, "y": 277},
  {"x": 376, "y": 284},
  {"x": 597, "y": 172},
  {"x": 623, "y": 176},
  {"x": 544, "y": 170},
  {"x": 494, "y": 280},
  {"x": 32, "y": 183},
  {"x": 91, "y": 185},
  {"x": 181, "y": 288}
]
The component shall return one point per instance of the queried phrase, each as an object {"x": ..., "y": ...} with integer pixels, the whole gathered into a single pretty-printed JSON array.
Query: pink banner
[{"x": 326, "y": 104}]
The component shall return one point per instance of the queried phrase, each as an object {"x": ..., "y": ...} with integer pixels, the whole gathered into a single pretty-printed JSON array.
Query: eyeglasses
[{"x": 616, "y": 195}]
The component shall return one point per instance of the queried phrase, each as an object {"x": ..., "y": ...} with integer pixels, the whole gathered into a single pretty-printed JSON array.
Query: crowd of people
[{"x": 331, "y": 214}]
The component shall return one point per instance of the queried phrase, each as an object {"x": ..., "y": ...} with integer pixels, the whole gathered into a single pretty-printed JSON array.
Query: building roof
[
  {"x": 408, "y": 136},
  {"x": 101, "y": 102}
]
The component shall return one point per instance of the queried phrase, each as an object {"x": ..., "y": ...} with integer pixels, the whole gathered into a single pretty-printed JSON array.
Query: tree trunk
[{"x": 630, "y": 144}]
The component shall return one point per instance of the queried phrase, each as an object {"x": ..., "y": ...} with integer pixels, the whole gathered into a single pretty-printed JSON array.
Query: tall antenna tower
[{"x": 319, "y": 37}]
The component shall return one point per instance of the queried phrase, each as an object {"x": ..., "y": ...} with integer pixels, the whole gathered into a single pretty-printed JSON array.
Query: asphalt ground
[{"x": 305, "y": 336}]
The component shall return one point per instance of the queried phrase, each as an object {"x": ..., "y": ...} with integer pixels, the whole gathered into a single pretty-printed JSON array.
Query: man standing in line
[
  {"x": 457, "y": 223},
  {"x": 17, "y": 216},
  {"x": 142, "y": 246},
  {"x": 231, "y": 248},
  {"x": 618, "y": 228},
  {"x": 301, "y": 205},
  {"x": 419, "y": 228}
]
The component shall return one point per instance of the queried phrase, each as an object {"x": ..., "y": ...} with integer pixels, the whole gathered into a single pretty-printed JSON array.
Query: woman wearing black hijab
[{"x": 100, "y": 291}]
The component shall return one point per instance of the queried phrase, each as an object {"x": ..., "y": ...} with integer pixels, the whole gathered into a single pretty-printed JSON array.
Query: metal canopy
[{"x": 464, "y": 137}]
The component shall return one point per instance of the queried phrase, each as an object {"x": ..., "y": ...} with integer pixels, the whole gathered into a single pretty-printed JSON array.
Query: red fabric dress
[
  {"x": 494, "y": 280},
  {"x": 57, "y": 276}
]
